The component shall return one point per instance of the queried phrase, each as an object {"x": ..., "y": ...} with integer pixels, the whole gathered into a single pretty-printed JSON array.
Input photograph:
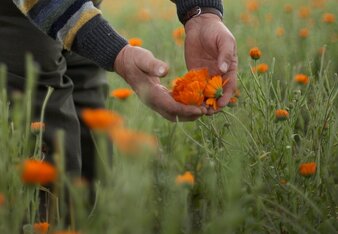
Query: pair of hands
[{"x": 208, "y": 44}]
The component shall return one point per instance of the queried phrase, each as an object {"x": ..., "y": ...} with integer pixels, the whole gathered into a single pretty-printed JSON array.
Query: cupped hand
[
  {"x": 141, "y": 70},
  {"x": 210, "y": 44}
]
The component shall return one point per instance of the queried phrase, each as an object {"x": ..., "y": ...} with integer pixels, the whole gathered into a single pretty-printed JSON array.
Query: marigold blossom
[
  {"x": 252, "y": 5},
  {"x": 280, "y": 31},
  {"x": 304, "y": 12},
  {"x": 143, "y": 15},
  {"x": 288, "y": 8},
  {"x": 101, "y": 119},
  {"x": 38, "y": 172},
  {"x": 41, "y": 228},
  {"x": 36, "y": 127},
  {"x": 178, "y": 35},
  {"x": 212, "y": 102},
  {"x": 135, "y": 41},
  {"x": 255, "y": 53},
  {"x": 186, "y": 178},
  {"x": 189, "y": 88},
  {"x": 133, "y": 142},
  {"x": 121, "y": 93},
  {"x": 2, "y": 199},
  {"x": 328, "y": 18},
  {"x": 303, "y": 33},
  {"x": 307, "y": 169},
  {"x": 281, "y": 114},
  {"x": 301, "y": 79},
  {"x": 214, "y": 87},
  {"x": 262, "y": 68},
  {"x": 232, "y": 102}
]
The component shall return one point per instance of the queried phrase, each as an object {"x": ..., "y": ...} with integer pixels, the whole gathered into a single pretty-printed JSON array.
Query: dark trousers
[{"x": 78, "y": 83}]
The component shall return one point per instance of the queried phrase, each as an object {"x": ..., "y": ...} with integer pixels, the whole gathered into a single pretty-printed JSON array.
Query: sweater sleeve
[
  {"x": 78, "y": 26},
  {"x": 183, "y": 6}
]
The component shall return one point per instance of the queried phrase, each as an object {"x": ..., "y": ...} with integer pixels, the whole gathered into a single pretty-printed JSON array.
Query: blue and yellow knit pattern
[{"x": 59, "y": 19}]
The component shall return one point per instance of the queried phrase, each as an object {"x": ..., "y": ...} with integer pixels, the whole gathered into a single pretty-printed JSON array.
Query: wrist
[{"x": 201, "y": 11}]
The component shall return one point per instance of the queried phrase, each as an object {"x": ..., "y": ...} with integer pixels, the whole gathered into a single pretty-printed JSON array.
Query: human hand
[
  {"x": 141, "y": 70},
  {"x": 209, "y": 44}
]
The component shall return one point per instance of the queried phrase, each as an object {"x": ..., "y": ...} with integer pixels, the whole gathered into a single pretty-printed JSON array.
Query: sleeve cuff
[
  {"x": 99, "y": 42},
  {"x": 183, "y": 6}
]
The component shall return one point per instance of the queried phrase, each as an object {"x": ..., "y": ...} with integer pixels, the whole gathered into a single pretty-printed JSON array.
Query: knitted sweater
[{"x": 79, "y": 26}]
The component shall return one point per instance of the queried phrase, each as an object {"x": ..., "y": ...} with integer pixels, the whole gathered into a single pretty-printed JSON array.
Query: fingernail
[
  {"x": 161, "y": 71},
  {"x": 224, "y": 67}
]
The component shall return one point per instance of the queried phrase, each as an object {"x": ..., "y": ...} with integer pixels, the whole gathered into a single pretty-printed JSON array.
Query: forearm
[
  {"x": 78, "y": 26},
  {"x": 183, "y": 6}
]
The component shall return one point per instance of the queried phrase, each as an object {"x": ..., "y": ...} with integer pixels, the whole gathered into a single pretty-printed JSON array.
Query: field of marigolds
[{"x": 267, "y": 163}]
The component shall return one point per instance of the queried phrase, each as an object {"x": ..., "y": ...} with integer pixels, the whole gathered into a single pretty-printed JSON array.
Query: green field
[{"x": 245, "y": 162}]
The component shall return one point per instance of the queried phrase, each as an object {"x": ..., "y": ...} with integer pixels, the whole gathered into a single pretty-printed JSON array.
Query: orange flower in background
[
  {"x": 288, "y": 8},
  {"x": 328, "y": 18},
  {"x": 252, "y": 5},
  {"x": 178, "y": 35},
  {"x": 38, "y": 172},
  {"x": 2, "y": 199},
  {"x": 304, "y": 12},
  {"x": 280, "y": 31},
  {"x": 318, "y": 3},
  {"x": 101, "y": 119},
  {"x": 186, "y": 178},
  {"x": 255, "y": 53},
  {"x": 281, "y": 114},
  {"x": 122, "y": 93},
  {"x": 41, "y": 228},
  {"x": 233, "y": 102},
  {"x": 262, "y": 68},
  {"x": 303, "y": 33},
  {"x": 189, "y": 88},
  {"x": 135, "y": 41},
  {"x": 143, "y": 15},
  {"x": 307, "y": 169},
  {"x": 132, "y": 142},
  {"x": 36, "y": 127},
  {"x": 301, "y": 79}
]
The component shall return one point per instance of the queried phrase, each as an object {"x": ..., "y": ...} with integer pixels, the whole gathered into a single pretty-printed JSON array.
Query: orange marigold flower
[
  {"x": 2, "y": 199},
  {"x": 212, "y": 102},
  {"x": 214, "y": 87},
  {"x": 186, "y": 178},
  {"x": 262, "y": 68},
  {"x": 328, "y": 18},
  {"x": 101, "y": 119},
  {"x": 178, "y": 35},
  {"x": 255, "y": 53},
  {"x": 38, "y": 172},
  {"x": 304, "y": 12},
  {"x": 133, "y": 142},
  {"x": 143, "y": 15},
  {"x": 232, "y": 102},
  {"x": 307, "y": 169},
  {"x": 282, "y": 114},
  {"x": 122, "y": 93},
  {"x": 288, "y": 8},
  {"x": 302, "y": 79},
  {"x": 318, "y": 3},
  {"x": 303, "y": 33},
  {"x": 189, "y": 88},
  {"x": 252, "y": 5},
  {"x": 280, "y": 31},
  {"x": 135, "y": 41},
  {"x": 41, "y": 228},
  {"x": 36, "y": 127}
]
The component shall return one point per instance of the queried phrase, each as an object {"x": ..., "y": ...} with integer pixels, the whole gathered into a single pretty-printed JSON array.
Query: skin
[{"x": 208, "y": 44}]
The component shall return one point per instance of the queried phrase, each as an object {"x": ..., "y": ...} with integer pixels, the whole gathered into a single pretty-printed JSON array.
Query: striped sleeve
[{"x": 74, "y": 23}]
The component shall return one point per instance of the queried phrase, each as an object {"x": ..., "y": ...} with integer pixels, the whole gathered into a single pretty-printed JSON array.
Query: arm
[
  {"x": 78, "y": 26},
  {"x": 209, "y": 43}
]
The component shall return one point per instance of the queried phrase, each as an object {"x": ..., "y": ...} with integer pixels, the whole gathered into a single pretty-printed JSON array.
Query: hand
[
  {"x": 210, "y": 44},
  {"x": 141, "y": 70}
]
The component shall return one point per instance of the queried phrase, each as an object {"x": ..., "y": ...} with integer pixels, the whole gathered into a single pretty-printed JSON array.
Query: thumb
[
  {"x": 146, "y": 62},
  {"x": 225, "y": 57}
]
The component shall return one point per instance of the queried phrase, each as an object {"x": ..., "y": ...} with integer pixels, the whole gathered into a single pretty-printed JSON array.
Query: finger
[
  {"x": 146, "y": 62},
  {"x": 226, "y": 53},
  {"x": 230, "y": 87}
]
